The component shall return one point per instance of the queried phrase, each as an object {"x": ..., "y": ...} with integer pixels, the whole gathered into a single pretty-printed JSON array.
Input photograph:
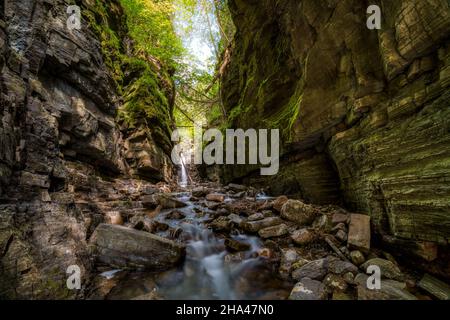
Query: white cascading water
[
  {"x": 209, "y": 271},
  {"x": 183, "y": 181}
]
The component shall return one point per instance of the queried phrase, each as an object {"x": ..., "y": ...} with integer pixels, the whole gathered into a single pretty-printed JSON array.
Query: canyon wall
[
  {"x": 66, "y": 127},
  {"x": 364, "y": 114}
]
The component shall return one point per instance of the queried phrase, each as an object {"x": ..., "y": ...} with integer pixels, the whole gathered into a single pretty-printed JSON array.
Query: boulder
[
  {"x": 114, "y": 217},
  {"x": 323, "y": 223},
  {"x": 339, "y": 218},
  {"x": 359, "y": 232},
  {"x": 341, "y": 235},
  {"x": 199, "y": 192},
  {"x": 221, "y": 224},
  {"x": 175, "y": 215},
  {"x": 215, "y": 197},
  {"x": 435, "y": 286},
  {"x": 308, "y": 289},
  {"x": 255, "y": 226},
  {"x": 256, "y": 217},
  {"x": 279, "y": 202},
  {"x": 237, "y": 187},
  {"x": 303, "y": 237},
  {"x": 338, "y": 266},
  {"x": 236, "y": 246},
  {"x": 390, "y": 290},
  {"x": 335, "y": 282},
  {"x": 165, "y": 201},
  {"x": 298, "y": 212},
  {"x": 316, "y": 270},
  {"x": 357, "y": 257},
  {"x": 388, "y": 269},
  {"x": 126, "y": 248},
  {"x": 288, "y": 257},
  {"x": 274, "y": 231}
]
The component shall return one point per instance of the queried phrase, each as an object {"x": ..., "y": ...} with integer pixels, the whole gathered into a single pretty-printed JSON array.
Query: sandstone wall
[{"x": 364, "y": 114}]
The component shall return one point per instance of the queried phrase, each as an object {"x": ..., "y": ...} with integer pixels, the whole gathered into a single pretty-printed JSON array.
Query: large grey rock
[
  {"x": 126, "y": 248},
  {"x": 436, "y": 287},
  {"x": 389, "y": 290},
  {"x": 274, "y": 231},
  {"x": 316, "y": 270},
  {"x": 298, "y": 212},
  {"x": 308, "y": 289},
  {"x": 388, "y": 269}
]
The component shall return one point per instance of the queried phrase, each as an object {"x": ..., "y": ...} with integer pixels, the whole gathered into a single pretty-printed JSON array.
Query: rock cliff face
[
  {"x": 364, "y": 113},
  {"x": 61, "y": 140}
]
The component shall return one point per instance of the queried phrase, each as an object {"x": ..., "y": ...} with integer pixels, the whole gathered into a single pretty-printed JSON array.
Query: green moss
[{"x": 143, "y": 85}]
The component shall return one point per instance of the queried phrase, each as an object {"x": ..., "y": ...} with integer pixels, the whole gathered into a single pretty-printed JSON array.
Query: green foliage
[{"x": 150, "y": 24}]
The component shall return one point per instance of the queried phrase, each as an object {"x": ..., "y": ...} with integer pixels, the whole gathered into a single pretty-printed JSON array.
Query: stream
[{"x": 209, "y": 270}]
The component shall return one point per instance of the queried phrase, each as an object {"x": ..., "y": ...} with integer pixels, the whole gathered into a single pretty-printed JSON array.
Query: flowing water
[
  {"x": 209, "y": 270},
  {"x": 183, "y": 180}
]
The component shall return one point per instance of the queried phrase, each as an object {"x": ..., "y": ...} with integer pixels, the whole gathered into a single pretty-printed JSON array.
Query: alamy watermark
[
  {"x": 74, "y": 280},
  {"x": 74, "y": 19},
  {"x": 241, "y": 147},
  {"x": 374, "y": 19}
]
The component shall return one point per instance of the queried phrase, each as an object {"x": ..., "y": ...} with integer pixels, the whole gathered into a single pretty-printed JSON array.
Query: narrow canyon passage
[{"x": 101, "y": 99}]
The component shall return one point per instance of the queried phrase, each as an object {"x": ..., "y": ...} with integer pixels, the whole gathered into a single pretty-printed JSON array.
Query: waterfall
[{"x": 183, "y": 181}]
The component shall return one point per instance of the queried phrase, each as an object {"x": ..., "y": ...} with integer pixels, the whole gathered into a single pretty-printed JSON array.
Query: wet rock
[
  {"x": 235, "y": 245},
  {"x": 274, "y": 231},
  {"x": 221, "y": 212},
  {"x": 338, "y": 266},
  {"x": 340, "y": 226},
  {"x": 316, "y": 270},
  {"x": 237, "y": 187},
  {"x": 266, "y": 253},
  {"x": 308, "y": 289},
  {"x": 288, "y": 257},
  {"x": 435, "y": 286},
  {"x": 154, "y": 213},
  {"x": 235, "y": 219},
  {"x": 121, "y": 247},
  {"x": 349, "y": 277},
  {"x": 199, "y": 192},
  {"x": 388, "y": 269},
  {"x": 299, "y": 263},
  {"x": 165, "y": 201},
  {"x": 239, "y": 195},
  {"x": 114, "y": 217},
  {"x": 221, "y": 224},
  {"x": 341, "y": 235},
  {"x": 303, "y": 237},
  {"x": 357, "y": 257},
  {"x": 359, "y": 232},
  {"x": 231, "y": 258},
  {"x": 390, "y": 290},
  {"x": 298, "y": 212},
  {"x": 267, "y": 213},
  {"x": 256, "y": 217},
  {"x": 255, "y": 226},
  {"x": 215, "y": 197},
  {"x": 323, "y": 223},
  {"x": 175, "y": 215},
  {"x": 279, "y": 202},
  {"x": 340, "y": 218},
  {"x": 212, "y": 205},
  {"x": 335, "y": 282}
]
